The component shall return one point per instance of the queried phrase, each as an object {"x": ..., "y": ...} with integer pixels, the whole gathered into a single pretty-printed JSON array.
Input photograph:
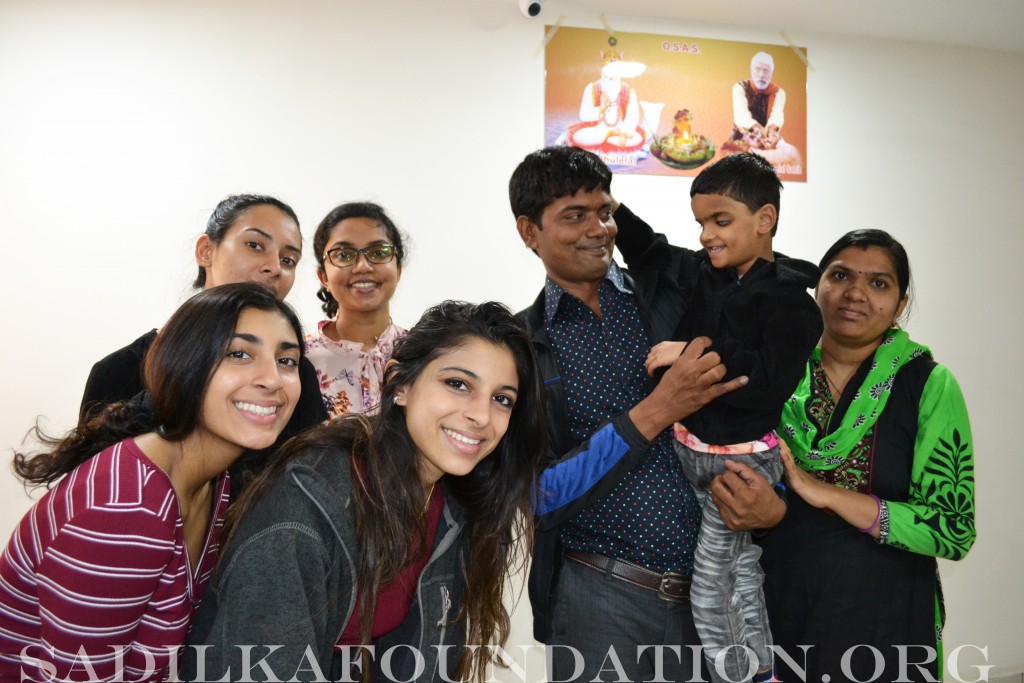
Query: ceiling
[{"x": 982, "y": 24}]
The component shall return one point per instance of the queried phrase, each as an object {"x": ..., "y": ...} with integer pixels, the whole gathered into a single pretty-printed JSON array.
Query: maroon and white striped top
[{"x": 95, "y": 583}]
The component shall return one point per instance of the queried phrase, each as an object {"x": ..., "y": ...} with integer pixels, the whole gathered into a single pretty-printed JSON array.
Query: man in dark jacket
[{"x": 617, "y": 519}]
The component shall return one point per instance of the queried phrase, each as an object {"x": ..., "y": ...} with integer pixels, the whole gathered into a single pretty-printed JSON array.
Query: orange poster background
[{"x": 683, "y": 73}]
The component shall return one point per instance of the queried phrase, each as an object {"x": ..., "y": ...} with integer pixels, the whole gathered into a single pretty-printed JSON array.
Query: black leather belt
[{"x": 669, "y": 586}]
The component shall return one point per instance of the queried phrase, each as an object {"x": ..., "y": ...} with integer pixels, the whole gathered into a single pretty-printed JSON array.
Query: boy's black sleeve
[{"x": 648, "y": 254}]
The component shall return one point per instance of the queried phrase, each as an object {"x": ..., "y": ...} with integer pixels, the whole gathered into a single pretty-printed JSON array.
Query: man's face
[
  {"x": 761, "y": 74},
  {"x": 575, "y": 238}
]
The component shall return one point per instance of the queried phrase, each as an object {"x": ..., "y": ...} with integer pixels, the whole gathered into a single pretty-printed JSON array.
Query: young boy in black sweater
[{"x": 754, "y": 305}]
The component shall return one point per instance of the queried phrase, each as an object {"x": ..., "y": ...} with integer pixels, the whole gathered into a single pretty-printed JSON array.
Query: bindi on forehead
[
  {"x": 857, "y": 271},
  {"x": 865, "y": 260},
  {"x": 873, "y": 273}
]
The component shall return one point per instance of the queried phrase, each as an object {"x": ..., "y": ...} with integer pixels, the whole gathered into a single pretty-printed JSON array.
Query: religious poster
[{"x": 669, "y": 105}]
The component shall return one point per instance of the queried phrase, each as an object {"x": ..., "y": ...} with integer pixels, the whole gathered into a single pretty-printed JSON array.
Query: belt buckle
[{"x": 670, "y": 581}]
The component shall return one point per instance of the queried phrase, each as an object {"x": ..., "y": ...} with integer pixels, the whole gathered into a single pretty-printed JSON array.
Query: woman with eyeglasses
[{"x": 359, "y": 253}]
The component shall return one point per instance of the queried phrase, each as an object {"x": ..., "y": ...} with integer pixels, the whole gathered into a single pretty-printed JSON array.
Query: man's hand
[
  {"x": 745, "y": 500},
  {"x": 690, "y": 383}
]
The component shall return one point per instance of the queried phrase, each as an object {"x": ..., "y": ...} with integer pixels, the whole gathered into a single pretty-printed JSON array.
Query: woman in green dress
[{"x": 882, "y": 482}]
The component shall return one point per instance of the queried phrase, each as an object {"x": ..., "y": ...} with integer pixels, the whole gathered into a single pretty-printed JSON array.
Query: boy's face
[{"x": 733, "y": 235}]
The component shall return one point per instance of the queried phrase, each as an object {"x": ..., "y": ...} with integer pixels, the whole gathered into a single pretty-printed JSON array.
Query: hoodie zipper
[
  {"x": 446, "y": 602},
  {"x": 443, "y": 546}
]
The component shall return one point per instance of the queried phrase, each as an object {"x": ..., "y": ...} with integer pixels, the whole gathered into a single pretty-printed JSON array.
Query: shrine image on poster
[{"x": 667, "y": 105}]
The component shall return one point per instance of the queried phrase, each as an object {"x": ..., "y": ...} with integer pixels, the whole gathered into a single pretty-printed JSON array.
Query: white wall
[{"x": 123, "y": 123}]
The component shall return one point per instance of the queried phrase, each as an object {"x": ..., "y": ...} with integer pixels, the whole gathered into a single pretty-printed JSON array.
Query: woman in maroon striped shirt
[{"x": 101, "y": 578}]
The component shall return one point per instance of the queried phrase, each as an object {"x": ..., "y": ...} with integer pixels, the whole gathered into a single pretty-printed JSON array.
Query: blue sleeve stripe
[{"x": 563, "y": 483}]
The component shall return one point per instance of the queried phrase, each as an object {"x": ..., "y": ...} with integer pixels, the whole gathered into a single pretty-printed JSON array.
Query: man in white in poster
[
  {"x": 758, "y": 104},
  {"x": 758, "y": 112}
]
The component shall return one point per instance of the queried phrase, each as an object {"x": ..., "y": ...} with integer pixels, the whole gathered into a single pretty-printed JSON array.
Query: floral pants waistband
[{"x": 688, "y": 439}]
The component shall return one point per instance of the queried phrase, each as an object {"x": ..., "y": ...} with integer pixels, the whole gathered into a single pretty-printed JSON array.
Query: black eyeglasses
[{"x": 344, "y": 257}]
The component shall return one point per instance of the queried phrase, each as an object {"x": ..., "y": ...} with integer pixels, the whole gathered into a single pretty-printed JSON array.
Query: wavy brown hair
[
  {"x": 388, "y": 498},
  {"x": 177, "y": 371}
]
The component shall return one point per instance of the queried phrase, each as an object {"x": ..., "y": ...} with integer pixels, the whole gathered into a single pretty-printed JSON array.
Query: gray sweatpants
[{"x": 726, "y": 594}]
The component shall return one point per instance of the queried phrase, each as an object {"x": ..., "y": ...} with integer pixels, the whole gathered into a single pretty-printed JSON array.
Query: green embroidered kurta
[
  {"x": 939, "y": 517},
  {"x": 900, "y": 432}
]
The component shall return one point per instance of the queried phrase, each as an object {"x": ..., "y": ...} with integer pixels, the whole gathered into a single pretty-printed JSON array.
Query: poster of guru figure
[{"x": 668, "y": 105}]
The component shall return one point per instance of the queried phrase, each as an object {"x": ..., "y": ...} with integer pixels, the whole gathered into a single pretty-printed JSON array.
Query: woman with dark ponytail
[
  {"x": 248, "y": 238},
  {"x": 397, "y": 530},
  {"x": 101, "y": 577}
]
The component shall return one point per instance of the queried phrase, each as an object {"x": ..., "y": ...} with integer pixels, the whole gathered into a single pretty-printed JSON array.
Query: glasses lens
[
  {"x": 343, "y": 257},
  {"x": 380, "y": 254}
]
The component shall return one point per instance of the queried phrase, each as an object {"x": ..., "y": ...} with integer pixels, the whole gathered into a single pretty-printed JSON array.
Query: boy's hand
[{"x": 663, "y": 355}]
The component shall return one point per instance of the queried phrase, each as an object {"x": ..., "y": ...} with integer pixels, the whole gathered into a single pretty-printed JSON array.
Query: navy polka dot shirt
[{"x": 651, "y": 517}]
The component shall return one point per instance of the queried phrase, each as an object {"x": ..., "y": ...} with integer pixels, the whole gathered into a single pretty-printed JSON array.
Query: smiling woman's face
[
  {"x": 253, "y": 391},
  {"x": 363, "y": 286},
  {"x": 263, "y": 245},
  {"x": 859, "y": 296},
  {"x": 459, "y": 407}
]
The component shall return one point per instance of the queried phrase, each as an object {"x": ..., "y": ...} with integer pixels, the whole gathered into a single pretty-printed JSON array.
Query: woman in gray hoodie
[{"x": 396, "y": 531}]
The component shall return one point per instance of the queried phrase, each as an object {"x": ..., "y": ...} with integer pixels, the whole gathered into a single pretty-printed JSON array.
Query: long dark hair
[
  {"x": 228, "y": 211},
  {"x": 388, "y": 498},
  {"x": 368, "y": 210},
  {"x": 177, "y": 371}
]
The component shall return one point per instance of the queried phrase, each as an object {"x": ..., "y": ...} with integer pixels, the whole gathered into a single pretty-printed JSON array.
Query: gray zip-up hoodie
[{"x": 285, "y": 590}]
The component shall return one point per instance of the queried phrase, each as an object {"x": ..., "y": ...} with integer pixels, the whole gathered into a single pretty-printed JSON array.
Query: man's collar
[
  {"x": 553, "y": 292},
  {"x": 616, "y": 277}
]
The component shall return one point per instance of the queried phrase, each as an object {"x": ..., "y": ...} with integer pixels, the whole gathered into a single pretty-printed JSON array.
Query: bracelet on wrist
[{"x": 878, "y": 515}]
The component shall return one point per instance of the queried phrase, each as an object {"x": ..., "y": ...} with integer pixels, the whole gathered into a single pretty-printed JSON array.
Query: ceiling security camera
[{"x": 529, "y": 8}]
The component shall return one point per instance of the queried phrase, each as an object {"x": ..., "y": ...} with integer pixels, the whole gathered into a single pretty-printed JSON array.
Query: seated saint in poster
[
  {"x": 759, "y": 112},
  {"x": 611, "y": 119}
]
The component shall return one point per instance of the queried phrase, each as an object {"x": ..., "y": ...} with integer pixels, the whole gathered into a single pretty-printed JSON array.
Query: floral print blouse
[{"x": 350, "y": 376}]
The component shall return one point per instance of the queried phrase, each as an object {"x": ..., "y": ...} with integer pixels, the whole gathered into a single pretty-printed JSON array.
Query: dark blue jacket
[{"x": 580, "y": 474}]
